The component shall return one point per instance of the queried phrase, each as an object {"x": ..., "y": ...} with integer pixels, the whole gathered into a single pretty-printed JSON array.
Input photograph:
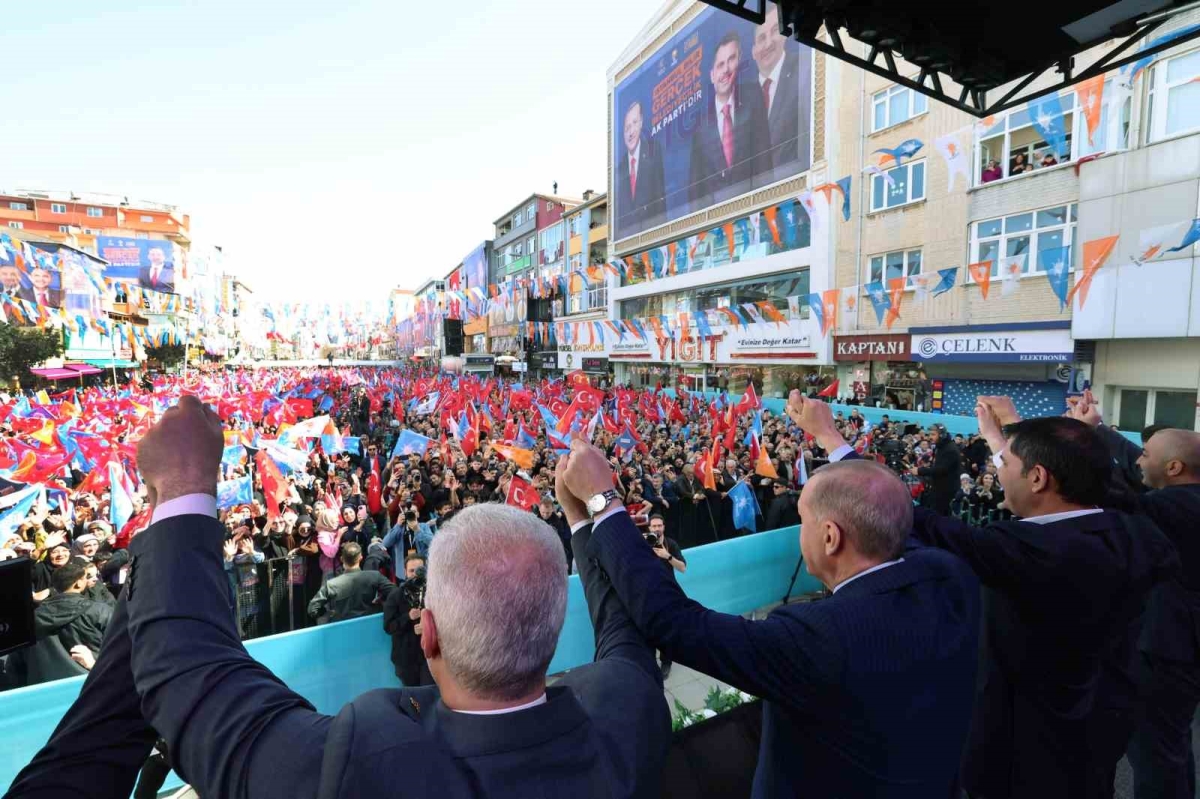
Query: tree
[
  {"x": 23, "y": 347},
  {"x": 167, "y": 355}
]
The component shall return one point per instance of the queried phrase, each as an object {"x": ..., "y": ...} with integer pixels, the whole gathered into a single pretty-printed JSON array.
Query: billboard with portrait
[
  {"x": 723, "y": 108},
  {"x": 151, "y": 263},
  {"x": 475, "y": 275}
]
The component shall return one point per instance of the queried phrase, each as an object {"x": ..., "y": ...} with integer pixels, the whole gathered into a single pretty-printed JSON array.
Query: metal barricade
[{"x": 264, "y": 597}]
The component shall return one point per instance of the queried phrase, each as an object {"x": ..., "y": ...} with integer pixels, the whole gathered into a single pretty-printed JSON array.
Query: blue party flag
[
  {"x": 410, "y": 443},
  {"x": 744, "y": 507},
  {"x": 1056, "y": 263},
  {"x": 1189, "y": 238},
  {"x": 946, "y": 280},
  {"x": 234, "y": 492},
  {"x": 1046, "y": 115},
  {"x": 844, "y": 185},
  {"x": 880, "y": 299}
]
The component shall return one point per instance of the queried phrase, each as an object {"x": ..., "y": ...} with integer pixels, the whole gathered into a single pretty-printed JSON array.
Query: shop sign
[
  {"x": 594, "y": 364},
  {"x": 547, "y": 360},
  {"x": 964, "y": 345},
  {"x": 888, "y": 347},
  {"x": 480, "y": 360}
]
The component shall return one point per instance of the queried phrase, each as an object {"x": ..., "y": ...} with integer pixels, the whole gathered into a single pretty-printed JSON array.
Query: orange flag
[
  {"x": 831, "y": 299},
  {"x": 729, "y": 240},
  {"x": 671, "y": 257},
  {"x": 763, "y": 465},
  {"x": 771, "y": 214},
  {"x": 896, "y": 290},
  {"x": 522, "y": 457},
  {"x": 1095, "y": 253},
  {"x": 1091, "y": 100},
  {"x": 981, "y": 273}
]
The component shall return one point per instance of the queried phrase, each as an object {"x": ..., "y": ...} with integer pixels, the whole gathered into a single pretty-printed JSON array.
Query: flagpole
[{"x": 112, "y": 349}]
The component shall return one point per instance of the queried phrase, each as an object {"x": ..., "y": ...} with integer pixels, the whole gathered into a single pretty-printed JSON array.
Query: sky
[{"x": 333, "y": 150}]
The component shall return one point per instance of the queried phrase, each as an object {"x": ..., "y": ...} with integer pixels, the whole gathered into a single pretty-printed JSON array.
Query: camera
[
  {"x": 414, "y": 590},
  {"x": 651, "y": 539},
  {"x": 410, "y": 515}
]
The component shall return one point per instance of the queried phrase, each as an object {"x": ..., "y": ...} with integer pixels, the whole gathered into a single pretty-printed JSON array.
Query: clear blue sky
[{"x": 330, "y": 148}]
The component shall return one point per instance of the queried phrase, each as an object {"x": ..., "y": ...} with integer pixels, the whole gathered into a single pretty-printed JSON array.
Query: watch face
[{"x": 597, "y": 503}]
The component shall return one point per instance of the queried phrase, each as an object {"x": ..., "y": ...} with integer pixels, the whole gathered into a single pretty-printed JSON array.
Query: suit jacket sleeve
[
  {"x": 1125, "y": 456},
  {"x": 616, "y": 635},
  {"x": 996, "y": 557},
  {"x": 101, "y": 743},
  {"x": 772, "y": 659},
  {"x": 233, "y": 728}
]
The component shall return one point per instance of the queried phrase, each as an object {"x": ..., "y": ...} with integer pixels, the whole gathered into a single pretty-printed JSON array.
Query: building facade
[
  {"x": 586, "y": 298},
  {"x": 1015, "y": 204},
  {"x": 718, "y": 132}
]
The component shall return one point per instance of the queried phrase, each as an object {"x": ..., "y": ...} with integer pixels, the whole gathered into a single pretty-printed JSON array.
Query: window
[
  {"x": 93, "y": 211},
  {"x": 573, "y": 225},
  {"x": 518, "y": 218},
  {"x": 64, "y": 228},
  {"x": 1013, "y": 146},
  {"x": 147, "y": 218},
  {"x": 1139, "y": 407},
  {"x": 893, "y": 106},
  {"x": 18, "y": 206},
  {"x": 90, "y": 231},
  {"x": 775, "y": 290},
  {"x": 1014, "y": 238},
  {"x": 16, "y": 225},
  {"x": 531, "y": 211},
  {"x": 1173, "y": 102},
  {"x": 893, "y": 265},
  {"x": 907, "y": 186},
  {"x": 531, "y": 245},
  {"x": 58, "y": 208}
]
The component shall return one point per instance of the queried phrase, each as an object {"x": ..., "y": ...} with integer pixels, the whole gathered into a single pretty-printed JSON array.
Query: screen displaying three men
[{"x": 723, "y": 108}]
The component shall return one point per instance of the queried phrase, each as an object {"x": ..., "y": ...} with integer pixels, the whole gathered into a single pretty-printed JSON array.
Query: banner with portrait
[
  {"x": 723, "y": 108},
  {"x": 154, "y": 264}
]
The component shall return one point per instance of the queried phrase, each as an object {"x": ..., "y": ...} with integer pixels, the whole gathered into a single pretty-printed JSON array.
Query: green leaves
[{"x": 21, "y": 348}]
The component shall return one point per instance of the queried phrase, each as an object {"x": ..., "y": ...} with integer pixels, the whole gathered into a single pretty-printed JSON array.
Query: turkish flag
[
  {"x": 275, "y": 488},
  {"x": 749, "y": 400},
  {"x": 374, "y": 494},
  {"x": 301, "y": 406},
  {"x": 521, "y": 494},
  {"x": 577, "y": 379},
  {"x": 830, "y": 390}
]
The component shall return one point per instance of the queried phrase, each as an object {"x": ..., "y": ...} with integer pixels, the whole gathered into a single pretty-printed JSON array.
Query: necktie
[
  {"x": 42, "y": 300},
  {"x": 632, "y": 177},
  {"x": 727, "y": 135},
  {"x": 154, "y": 277},
  {"x": 767, "y": 95}
]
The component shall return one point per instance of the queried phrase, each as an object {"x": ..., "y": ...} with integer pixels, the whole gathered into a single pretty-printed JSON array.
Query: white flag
[
  {"x": 1010, "y": 272},
  {"x": 872, "y": 169},
  {"x": 955, "y": 156},
  {"x": 794, "y": 306},
  {"x": 1154, "y": 242}
]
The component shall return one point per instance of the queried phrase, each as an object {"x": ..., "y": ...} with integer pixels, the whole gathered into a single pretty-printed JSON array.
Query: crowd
[{"x": 346, "y": 481}]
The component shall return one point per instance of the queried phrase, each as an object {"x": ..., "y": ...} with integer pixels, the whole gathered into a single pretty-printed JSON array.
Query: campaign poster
[
  {"x": 151, "y": 263},
  {"x": 723, "y": 108},
  {"x": 475, "y": 275}
]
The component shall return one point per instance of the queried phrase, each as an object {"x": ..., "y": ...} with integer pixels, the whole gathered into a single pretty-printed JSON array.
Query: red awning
[
  {"x": 55, "y": 374},
  {"x": 83, "y": 368}
]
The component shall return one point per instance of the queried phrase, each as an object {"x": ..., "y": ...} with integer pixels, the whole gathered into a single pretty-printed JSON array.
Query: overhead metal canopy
[{"x": 979, "y": 58}]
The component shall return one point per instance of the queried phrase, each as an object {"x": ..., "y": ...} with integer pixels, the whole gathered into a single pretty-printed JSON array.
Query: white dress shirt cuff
[
  {"x": 840, "y": 452},
  {"x": 200, "y": 504},
  {"x": 575, "y": 528}
]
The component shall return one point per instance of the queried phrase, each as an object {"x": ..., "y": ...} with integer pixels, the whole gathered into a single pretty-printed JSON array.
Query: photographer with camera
[
  {"x": 402, "y": 621},
  {"x": 408, "y": 535}
]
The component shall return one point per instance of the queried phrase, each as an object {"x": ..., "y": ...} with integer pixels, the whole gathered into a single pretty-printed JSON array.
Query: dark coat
[
  {"x": 943, "y": 475},
  {"x": 845, "y": 681}
]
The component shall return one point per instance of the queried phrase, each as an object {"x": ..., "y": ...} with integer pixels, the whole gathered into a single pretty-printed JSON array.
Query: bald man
[
  {"x": 1166, "y": 659},
  {"x": 846, "y": 681}
]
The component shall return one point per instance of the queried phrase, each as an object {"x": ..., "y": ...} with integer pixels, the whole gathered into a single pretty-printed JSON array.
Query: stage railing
[{"x": 331, "y": 664}]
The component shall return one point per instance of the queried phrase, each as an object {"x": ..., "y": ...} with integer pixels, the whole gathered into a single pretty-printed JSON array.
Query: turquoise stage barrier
[
  {"x": 965, "y": 425},
  {"x": 331, "y": 664}
]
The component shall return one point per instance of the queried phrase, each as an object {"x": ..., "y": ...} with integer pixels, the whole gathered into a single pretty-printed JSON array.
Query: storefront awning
[
  {"x": 55, "y": 374},
  {"x": 106, "y": 363},
  {"x": 84, "y": 369}
]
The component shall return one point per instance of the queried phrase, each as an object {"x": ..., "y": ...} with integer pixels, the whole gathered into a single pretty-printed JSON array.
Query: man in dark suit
[
  {"x": 731, "y": 144},
  {"x": 943, "y": 473},
  {"x": 641, "y": 196},
  {"x": 41, "y": 292},
  {"x": 779, "y": 81},
  {"x": 352, "y": 593},
  {"x": 159, "y": 274},
  {"x": 1166, "y": 663},
  {"x": 846, "y": 681},
  {"x": 1061, "y": 588},
  {"x": 490, "y": 727}
]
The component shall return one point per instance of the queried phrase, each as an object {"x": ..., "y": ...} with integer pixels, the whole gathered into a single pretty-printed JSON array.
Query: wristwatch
[{"x": 599, "y": 502}]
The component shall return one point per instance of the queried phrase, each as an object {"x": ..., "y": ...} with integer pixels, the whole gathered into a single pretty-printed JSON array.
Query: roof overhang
[{"x": 980, "y": 59}]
